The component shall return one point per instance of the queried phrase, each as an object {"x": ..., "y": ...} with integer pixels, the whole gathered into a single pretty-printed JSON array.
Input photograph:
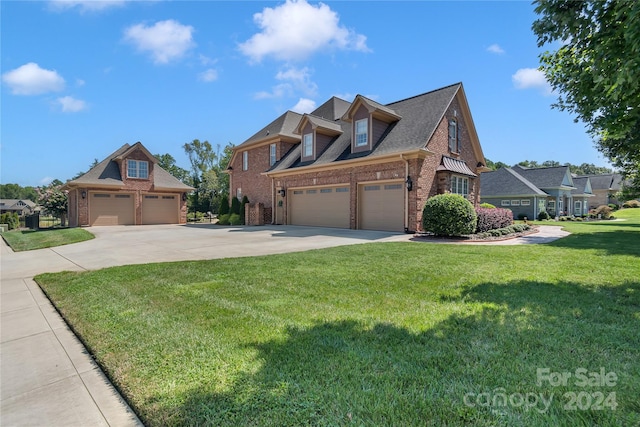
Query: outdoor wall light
[
  {"x": 184, "y": 197},
  {"x": 84, "y": 194},
  {"x": 409, "y": 183},
  {"x": 282, "y": 192}
]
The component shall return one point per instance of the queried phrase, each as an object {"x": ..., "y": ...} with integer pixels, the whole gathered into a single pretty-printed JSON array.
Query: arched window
[{"x": 454, "y": 140}]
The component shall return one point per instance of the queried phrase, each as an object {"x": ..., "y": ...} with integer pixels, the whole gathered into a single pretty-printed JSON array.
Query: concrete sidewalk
[{"x": 47, "y": 376}]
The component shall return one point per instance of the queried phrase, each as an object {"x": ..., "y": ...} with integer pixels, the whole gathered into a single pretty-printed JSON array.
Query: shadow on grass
[
  {"x": 375, "y": 373},
  {"x": 614, "y": 242}
]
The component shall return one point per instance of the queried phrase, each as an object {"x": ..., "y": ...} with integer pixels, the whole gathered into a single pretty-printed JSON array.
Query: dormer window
[
  {"x": 137, "y": 169},
  {"x": 454, "y": 139},
  {"x": 307, "y": 145},
  {"x": 362, "y": 132}
]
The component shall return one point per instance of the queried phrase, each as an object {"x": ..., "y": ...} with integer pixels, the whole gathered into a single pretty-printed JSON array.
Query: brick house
[
  {"x": 361, "y": 164},
  {"x": 127, "y": 188}
]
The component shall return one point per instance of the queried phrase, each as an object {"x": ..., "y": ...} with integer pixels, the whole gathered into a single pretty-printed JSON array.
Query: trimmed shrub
[
  {"x": 234, "y": 219},
  {"x": 543, "y": 216},
  {"x": 613, "y": 206},
  {"x": 224, "y": 205},
  {"x": 224, "y": 219},
  {"x": 487, "y": 206},
  {"x": 492, "y": 219},
  {"x": 602, "y": 211},
  {"x": 235, "y": 206},
  {"x": 631, "y": 204},
  {"x": 449, "y": 215},
  {"x": 11, "y": 219}
]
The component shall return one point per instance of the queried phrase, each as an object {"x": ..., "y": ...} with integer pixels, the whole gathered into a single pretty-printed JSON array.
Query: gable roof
[
  {"x": 283, "y": 126},
  {"x": 507, "y": 182},
  {"x": 16, "y": 204},
  {"x": 547, "y": 177},
  {"x": 607, "y": 181},
  {"x": 419, "y": 117},
  {"x": 107, "y": 172},
  {"x": 583, "y": 186}
]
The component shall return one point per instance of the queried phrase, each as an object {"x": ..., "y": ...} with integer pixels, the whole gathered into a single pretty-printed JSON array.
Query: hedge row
[{"x": 504, "y": 231}]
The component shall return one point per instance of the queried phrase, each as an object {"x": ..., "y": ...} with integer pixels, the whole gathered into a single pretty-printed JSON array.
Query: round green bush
[
  {"x": 543, "y": 216},
  {"x": 234, "y": 219},
  {"x": 224, "y": 219},
  {"x": 487, "y": 206},
  {"x": 449, "y": 215}
]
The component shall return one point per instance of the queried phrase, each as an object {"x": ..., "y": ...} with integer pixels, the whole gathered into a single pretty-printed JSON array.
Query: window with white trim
[
  {"x": 137, "y": 169},
  {"x": 245, "y": 160},
  {"x": 454, "y": 139},
  {"x": 272, "y": 154},
  {"x": 515, "y": 203},
  {"x": 525, "y": 202},
  {"x": 362, "y": 132},
  {"x": 460, "y": 185},
  {"x": 307, "y": 145},
  {"x": 505, "y": 202}
]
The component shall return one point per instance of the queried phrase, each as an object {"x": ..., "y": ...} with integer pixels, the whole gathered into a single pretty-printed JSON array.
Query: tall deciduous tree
[
  {"x": 596, "y": 70},
  {"x": 54, "y": 200},
  {"x": 168, "y": 163}
]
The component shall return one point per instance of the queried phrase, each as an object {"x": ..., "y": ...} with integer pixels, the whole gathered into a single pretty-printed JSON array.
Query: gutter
[{"x": 406, "y": 194}]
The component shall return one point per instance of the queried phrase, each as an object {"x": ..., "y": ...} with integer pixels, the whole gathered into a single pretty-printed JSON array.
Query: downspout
[
  {"x": 406, "y": 194},
  {"x": 274, "y": 208}
]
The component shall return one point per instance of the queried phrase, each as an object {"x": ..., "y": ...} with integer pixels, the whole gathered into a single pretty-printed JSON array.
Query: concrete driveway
[{"x": 47, "y": 376}]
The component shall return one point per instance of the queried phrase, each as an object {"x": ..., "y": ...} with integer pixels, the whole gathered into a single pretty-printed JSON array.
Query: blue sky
[{"x": 82, "y": 78}]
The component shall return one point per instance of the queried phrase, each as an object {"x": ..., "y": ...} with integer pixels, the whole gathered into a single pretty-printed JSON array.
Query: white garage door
[
  {"x": 320, "y": 207},
  {"x": 111, "y": 209},
  {"x": 160, "y": 209},
  {"x": 381, "y": 206}
]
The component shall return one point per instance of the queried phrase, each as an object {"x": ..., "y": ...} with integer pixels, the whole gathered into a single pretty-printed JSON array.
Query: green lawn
[
  {"x": 28, "y": 240},
  {"x": 376, "y": 334}
]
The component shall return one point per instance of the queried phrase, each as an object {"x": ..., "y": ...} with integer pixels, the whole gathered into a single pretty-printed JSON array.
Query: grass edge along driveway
[
  {"x": 375, "y": 334},
  {"x": 28, "y": 240}
]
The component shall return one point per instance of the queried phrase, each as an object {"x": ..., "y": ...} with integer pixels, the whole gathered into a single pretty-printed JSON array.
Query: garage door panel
[
  {"x": 111, "y": 209},
  {"x": 382, "y": 206},
  {"x": 160, "y": 209},
  {"x": 320, "y": 207}
]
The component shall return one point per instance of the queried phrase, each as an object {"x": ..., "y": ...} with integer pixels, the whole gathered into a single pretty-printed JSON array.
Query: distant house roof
[
  {"x": 583, "y": 186},
  {"x": 507, "y": 182},
  {"x": 548, "y": 177},
  {"x": 17, "y": 205},
  {"x": 610, "y": 182},
  {"x": 107, "y": 172}
]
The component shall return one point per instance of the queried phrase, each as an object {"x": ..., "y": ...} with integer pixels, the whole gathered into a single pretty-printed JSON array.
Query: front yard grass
[
  {"x": 27, "y": 240},
  {"x": 375, "y": 334}
]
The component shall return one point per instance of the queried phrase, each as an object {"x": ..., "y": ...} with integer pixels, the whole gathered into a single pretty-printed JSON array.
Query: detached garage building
[
  {"x": 127, "y": 188},
  {"x": 361, "y": 164}
]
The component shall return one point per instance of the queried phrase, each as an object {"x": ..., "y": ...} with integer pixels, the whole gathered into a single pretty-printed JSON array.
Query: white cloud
[
  {"x": 300, "y": 79},
  {"x": 86, "y": 5},
  {"x": 304, "y": 105},
  {"x": 165, "y": 40},
  {"x": 30, "y": 79},
  {"x": 296, "y": 29},
  {"x": 495, "y": 48},
  {"x": 531, "y": 78},
  {"x": 70, "y": 104},
  {"x": 209, "y": 75}
]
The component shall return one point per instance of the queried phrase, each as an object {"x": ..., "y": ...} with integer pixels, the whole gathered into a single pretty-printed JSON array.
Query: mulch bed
[{"x": 474, "y": 237}]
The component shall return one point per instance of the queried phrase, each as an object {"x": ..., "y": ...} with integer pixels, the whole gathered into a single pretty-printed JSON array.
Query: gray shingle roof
[
  {"x": 550, "y": 177},
  {"x": 107, "y": 173},
  {"x": 333, "y": 109},
  {"x": 284, "y": 125},
  {"x": 582, "y": 184},
  {"x": 420, "y": 114},
  {"x": 507, "y": 182},
  {"x": 608, "y": 181}
]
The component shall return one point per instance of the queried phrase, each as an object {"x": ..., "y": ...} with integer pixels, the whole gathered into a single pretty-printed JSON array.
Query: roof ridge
[
  {"x": 524, "y": 180},
  {"x": 425, "y": 93}
]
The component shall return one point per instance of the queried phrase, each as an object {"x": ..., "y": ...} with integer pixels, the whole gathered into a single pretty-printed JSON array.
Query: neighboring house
[
  {"x": 604, "y": 188},
  {"x": 528, "y": 191},
  {"x": 20, "y": 206},
  {"x": 127, "y": 188},
  {"x": 361, "y": 164}
]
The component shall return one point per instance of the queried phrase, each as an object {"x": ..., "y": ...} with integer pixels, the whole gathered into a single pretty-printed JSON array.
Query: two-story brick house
[
  {"x": 127, "y": 188},
  {"x": 361, "y": 164}
]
